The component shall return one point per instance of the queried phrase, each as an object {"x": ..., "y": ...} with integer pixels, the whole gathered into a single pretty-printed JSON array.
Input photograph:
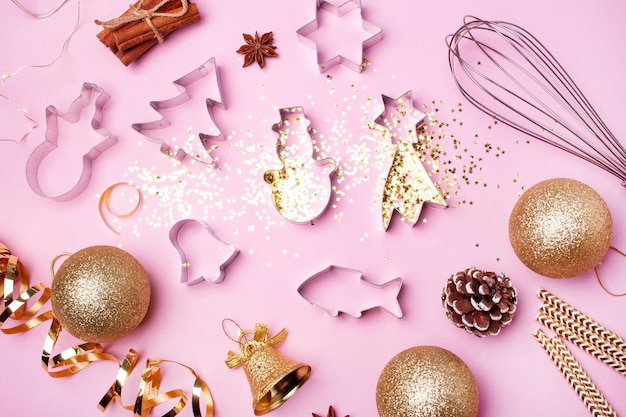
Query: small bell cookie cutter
[
  {"x": 182, "y": 84},
  {"x": 52, "y": 135},
  {"x": 355, "y": 284},
  {"x": 174, "y": 236},
  {"x": 304, "y": 33}
]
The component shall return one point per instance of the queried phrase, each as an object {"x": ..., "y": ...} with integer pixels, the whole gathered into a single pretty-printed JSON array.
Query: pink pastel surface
[{"x": 184, "y": 323}]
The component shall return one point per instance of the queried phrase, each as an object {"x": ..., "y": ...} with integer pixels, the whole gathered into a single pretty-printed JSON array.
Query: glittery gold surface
[
  {"x": 427, "y": 381},
  {"x": 100, "y": 293},
  {"x": 560, "y": 228}
]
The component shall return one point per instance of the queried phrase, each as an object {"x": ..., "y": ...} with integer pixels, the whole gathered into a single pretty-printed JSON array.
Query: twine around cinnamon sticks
[{"x": 145, "y": 24}]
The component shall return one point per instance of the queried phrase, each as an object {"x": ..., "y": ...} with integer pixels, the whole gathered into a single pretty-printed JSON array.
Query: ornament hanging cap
[{"x": 273, "y": 378}]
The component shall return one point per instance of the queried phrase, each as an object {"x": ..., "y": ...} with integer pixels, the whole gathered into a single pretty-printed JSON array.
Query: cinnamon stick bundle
[{"x": 145, "y": 24}]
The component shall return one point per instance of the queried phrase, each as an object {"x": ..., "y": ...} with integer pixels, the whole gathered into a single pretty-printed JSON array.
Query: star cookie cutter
[
  {"x": 348, "y": 6},
  {"x": 337, "y": 289},
  {"x": 408, "y": 185},
  {"x": 302, "y": 188},
  {"x": 228, "y": 251},
  {"x": 182, "y": 84},
  {"x": 89, "y": 90}
]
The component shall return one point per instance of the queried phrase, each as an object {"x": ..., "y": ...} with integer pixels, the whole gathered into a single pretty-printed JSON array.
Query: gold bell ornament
[{"x": 273, "y": 378}]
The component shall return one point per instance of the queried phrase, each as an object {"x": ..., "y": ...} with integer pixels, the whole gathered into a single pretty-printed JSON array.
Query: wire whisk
[{"x": 507, "y": 73}]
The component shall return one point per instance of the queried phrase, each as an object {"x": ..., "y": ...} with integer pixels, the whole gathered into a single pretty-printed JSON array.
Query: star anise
[
  {"x": 331, "y": 413},
  {"x": 256, "y": 49}
]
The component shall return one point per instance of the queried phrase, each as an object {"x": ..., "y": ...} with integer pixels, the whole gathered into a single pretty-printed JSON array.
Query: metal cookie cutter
[
  {"x": 344, "y": 290},
  {"x": 182, "y": 84},
  {"x": 302, "y": 188},
  {"x": 52, "y": 136},
  {"x": 408, "y": 185},
  {"x": 323, "y": 6},
  {"x": 227, "y": 253}
]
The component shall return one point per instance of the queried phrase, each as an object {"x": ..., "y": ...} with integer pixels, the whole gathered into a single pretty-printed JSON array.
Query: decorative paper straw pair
[{"x": 589, "y": 335}]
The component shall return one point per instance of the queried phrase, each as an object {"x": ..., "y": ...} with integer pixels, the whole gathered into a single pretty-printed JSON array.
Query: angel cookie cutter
[
  {"x": 89, "y": 90},
  {"x": 375, "y": 34},
  {"x": 337, "y": 289},
  {"x": 223, "y": 253}
]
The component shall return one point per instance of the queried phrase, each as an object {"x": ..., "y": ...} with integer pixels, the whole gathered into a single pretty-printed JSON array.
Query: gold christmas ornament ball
[
  {"x": 560, "y": 228},
  {"x": 427, "y": 381},
  {"x": 100, "y": 294}
]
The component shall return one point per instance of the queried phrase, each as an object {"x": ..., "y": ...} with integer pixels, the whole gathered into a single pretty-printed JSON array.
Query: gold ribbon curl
[
  {"x": 105, "y": 202},
  {"x": 249, "y": 346},
  {"x": 14, "y": 279},
  {"x": 137, "y": 13}
]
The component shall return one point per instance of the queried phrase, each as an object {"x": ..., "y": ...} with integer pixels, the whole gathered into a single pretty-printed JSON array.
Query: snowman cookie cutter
[
  {"x": 302, "y": 188},
  {"x": 89, "y": 90}
]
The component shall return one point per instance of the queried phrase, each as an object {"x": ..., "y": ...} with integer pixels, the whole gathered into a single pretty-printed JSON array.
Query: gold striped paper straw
[
  {"x": 582, "y": 337},
  {"x": 586, "y": 322},
  {"x": 575, "y": 375}
]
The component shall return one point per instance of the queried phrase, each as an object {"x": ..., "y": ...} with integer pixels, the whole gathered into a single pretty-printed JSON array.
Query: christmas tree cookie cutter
[
  {"x": 348, "y": 6},
  {"x": 301, "y": 189},
  {"x": 337, "y": 289},
  {"x": 227, "y": 253},
  {"x": 89, "y": 90},
  {"x": 209, "y": 68}
]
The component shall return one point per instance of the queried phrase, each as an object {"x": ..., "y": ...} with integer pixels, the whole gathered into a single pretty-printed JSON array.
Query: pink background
[{"x": 514, "y": 375}]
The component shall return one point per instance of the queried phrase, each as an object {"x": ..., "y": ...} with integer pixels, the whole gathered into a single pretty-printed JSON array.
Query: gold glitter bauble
[
  {"x": 100, "y": 293},
  {"x": 426, "y": 381},
  {"x": 560, "y": 228}
]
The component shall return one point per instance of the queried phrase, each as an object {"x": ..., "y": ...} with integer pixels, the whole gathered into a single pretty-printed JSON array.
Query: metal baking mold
[
  {"x": 209, "y": 68},
  {"x": 217, "y": 246},
  {"x": 348, "y": 6},
  {"x": 302, "y": 188},
  {"x": 345, "y": 290},
  {"x": 89, "y": 90},
  {"x": 408, "y": 185}
]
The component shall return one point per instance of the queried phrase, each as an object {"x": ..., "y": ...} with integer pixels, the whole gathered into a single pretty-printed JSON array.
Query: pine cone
[{"x": 481, "y": 302}]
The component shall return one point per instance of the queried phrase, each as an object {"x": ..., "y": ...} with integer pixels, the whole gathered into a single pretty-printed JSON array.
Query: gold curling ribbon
[
  {"x": 105, "y": 202},
  {"x": 74, "y": 359},
  {"x": 148, "y": 395},
  {"x": 248, "y": 346}
]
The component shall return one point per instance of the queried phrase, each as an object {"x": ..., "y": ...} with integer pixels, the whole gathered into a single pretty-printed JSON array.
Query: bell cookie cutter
[
  {"x": 182, "y": 84},
  {"x": 302, "y": 188},
  {"x": 52, "y": 135},
  {"x": 231, "y": 252},
  {"x": 348, "y": 6},
  {"x": 337, "y": 286}
]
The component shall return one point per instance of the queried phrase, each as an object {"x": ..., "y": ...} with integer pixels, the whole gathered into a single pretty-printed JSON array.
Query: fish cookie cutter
[
  {"x": 374, "y": 34},
  {"x": 209, "y": 68},
  {"x": 338, "y": 289},
  {"x": 89, "y": 90},
  {"x": 223, "y": 254},
  {"x": 302, "y": 188}
]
